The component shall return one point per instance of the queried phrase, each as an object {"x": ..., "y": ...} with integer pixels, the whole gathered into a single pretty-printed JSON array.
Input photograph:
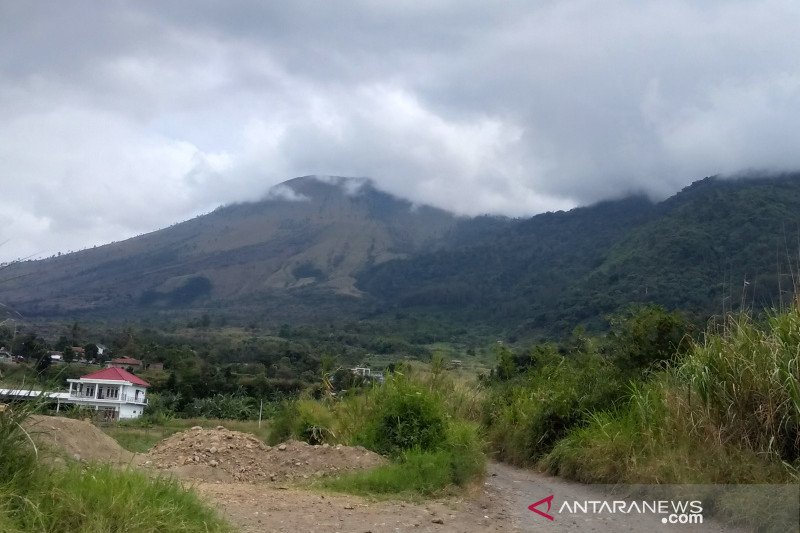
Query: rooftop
[{"x": 116, "y": 374}]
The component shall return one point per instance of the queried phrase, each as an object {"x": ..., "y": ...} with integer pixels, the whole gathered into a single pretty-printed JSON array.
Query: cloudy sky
[{"x": 119, "y": 117}]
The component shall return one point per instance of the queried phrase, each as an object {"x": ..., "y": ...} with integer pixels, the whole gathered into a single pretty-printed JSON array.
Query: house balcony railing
[{"x": 129, "y": 398}]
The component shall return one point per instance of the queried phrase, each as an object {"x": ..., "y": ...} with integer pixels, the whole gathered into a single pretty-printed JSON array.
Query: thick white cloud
[{"x": 122, "y": 117}]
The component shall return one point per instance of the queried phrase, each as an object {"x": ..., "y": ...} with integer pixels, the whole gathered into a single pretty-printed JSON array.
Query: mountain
[
  {"x": 309, "y": 236},
  {"x": 322, "y": 250},
  {"x": 718, "y": 242}
]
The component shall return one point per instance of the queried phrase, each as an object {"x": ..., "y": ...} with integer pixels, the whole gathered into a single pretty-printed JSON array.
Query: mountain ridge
[{"x": 332, "y": 248}]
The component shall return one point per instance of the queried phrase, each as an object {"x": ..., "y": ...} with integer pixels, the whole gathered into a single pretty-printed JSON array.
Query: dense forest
[{"x": 718, "y": 245}]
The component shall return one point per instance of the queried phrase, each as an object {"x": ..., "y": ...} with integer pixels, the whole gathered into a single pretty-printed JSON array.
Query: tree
[
  {"x": 43, "y": 363},
  {"x": 506, "y": 368},
  {"x": 69, "y": 355},
  {"x": 75, "y": 332},
  {"x": 91, "y": 351},
  {"x": 647, "y": 335}
]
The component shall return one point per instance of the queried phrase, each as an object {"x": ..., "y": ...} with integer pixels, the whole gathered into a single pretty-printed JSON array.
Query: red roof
[{"x": 116, "y": 374}]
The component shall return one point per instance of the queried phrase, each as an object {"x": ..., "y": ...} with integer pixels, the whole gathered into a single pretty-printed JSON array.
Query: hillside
[
  {"x": 325, "y": 250},
  {"x": 309, "y": 235},
  {"x": 731, "y": 241}
]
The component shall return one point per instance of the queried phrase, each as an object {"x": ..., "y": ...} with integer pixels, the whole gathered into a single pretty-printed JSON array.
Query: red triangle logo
[{"x": 548, "y": 501}]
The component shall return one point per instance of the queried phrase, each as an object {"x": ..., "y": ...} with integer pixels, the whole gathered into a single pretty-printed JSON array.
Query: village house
[
  {"x": 114, "y": 391},
  {"x": 125, "y": 362}
]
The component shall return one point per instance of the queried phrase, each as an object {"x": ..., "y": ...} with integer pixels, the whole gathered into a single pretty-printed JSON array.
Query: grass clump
[
  {"x": 405, "y": 416},
  {"x": 415, "y": 473},
  {"x": 37, "y": 496},
  {"x": 308, "y": 420},
  {"x": 99, "y": 498}
]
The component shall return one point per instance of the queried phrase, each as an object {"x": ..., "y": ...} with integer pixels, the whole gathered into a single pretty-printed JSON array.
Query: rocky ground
[{"x": 221, "y": 455}]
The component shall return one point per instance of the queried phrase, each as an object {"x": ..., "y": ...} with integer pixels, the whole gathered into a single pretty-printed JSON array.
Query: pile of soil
[
  {"x": 77, "y": 439},
  {"x": 221, "y": 455}
]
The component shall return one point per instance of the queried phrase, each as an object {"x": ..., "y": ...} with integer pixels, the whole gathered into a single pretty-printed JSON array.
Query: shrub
[
  {"x": 305, "y": 419},
  {"x": 313, "y": 422},
  {"x": 416, "y": 472},
  {"x": 726, "y": 414},
  {"x": 405, "y": 416},
  {"x": 527, "y": 416}
]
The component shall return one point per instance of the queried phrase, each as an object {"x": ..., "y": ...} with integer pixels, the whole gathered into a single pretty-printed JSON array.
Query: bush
[
  {"x": 307, "y": 420},
  {"x": 404, "y": 419},
  {"x": 405, "y": 416},
  {"x": 646, "y": 336},
  {"x": 416, "y": 472},
  {"x": 527, "y": 416}
]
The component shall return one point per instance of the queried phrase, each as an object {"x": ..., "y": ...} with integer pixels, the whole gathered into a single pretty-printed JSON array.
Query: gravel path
[{"x": 499, "y": 505}]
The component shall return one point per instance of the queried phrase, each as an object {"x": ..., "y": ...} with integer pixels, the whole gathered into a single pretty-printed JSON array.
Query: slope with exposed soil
[{"x": 77, "y": 439}]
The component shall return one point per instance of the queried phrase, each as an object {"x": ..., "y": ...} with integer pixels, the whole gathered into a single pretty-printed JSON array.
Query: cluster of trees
[
  {"x": 209, "y": 370},
  {"x": 717, "y": 246}
]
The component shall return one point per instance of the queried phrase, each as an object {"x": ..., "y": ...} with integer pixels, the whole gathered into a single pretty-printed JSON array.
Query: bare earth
[
  {"x": 501, "y": 504},
  {"x": 256, "y": 508},
  {"x": 263, "y": 499}
]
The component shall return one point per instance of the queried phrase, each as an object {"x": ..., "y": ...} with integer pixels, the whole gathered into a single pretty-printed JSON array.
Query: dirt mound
[
  {"x": 78, "y": 439},
  {"x": 223, "y": 455}
]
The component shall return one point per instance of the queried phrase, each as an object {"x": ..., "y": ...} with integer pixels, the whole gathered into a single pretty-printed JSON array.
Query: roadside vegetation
[
  {"x": 36, "y": 495},
  {"x": 653, "y": 403},
  {"x": 413, "y": 419},
  {"x": 727, "y": 412}
]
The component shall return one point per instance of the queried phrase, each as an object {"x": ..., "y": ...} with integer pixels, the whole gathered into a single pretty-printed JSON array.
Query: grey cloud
[{"x": 151, "y": 112}]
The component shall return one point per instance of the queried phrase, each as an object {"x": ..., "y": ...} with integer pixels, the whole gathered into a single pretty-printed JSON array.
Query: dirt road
[
  {"x": 500, "y": 505},
  {"x": 520, "y": 488}
]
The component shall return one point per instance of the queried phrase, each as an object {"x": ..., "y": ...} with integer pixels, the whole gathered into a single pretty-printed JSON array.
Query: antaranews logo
[
  {"x": 669, "y": 511},
  {"x": 548, "y": 501}
]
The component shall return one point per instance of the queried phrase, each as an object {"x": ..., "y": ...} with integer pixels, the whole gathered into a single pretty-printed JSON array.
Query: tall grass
[
  {"x": 525, "y": 417},
  {"x": 747, "y": 379},
  {"x": 728, "y": 412},
  {"x": 36, "y": 496}
]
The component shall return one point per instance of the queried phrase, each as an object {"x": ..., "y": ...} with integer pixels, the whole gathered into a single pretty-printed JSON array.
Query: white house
[{"x": 115, "y": 391}]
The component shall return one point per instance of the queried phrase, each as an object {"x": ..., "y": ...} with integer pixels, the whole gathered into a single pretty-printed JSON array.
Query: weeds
[{"x": 89, "y": 498}]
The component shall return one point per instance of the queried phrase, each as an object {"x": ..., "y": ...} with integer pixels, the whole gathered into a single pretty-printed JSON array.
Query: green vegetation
[
  {"x": 648, "y": 404},
  {"x": 433, "y": 448},
  {"x": 728, "y": 412},
  {"x": 538, "y": 396},
  {"x": 545, "y": 275},
  {"x": 92, "y": 498}
]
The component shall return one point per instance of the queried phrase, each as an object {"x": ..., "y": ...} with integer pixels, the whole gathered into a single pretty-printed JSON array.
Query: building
[
  {"x": 115, "y": 391},
  {"x": 125, "y": 362}
]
